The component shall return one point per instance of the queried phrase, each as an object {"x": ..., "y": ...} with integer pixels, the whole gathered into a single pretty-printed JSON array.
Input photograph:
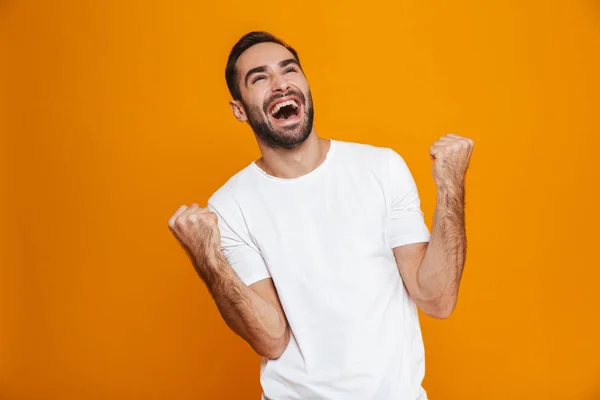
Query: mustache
[{"x": 278, "y": 96}]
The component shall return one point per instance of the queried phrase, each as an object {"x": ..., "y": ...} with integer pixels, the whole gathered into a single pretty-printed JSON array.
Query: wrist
[
  {"x": 450, "y": 184},
  {"x": 450, "y": 193},
  {"x": 211, "y": 261},
  {"x": 214, "y": 271}
]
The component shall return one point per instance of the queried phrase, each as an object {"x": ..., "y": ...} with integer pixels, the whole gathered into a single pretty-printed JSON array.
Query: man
[{"x": 317, "y": 254}]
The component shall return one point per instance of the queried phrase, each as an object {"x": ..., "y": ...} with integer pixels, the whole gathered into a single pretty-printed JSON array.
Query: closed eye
[
  {"x": 292, "y": 69},
  {"x": 258, "y": 78}
]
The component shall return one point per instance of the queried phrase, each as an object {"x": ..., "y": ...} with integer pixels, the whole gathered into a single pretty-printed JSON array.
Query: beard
[{"x": 287, "y": 137}]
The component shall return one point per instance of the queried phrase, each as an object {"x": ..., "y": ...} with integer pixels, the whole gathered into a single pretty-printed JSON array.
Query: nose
[{"x": 279, "y": 84}]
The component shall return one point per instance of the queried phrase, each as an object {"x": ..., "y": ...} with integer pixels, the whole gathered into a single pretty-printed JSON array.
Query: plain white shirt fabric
[{"x": 326, "y": 240}]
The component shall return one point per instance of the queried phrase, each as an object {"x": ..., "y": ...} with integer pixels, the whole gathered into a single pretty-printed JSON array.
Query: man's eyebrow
[
  {"x": 287, "y": 62},
  {"x": 263, "y": 68},
  {"x": 256, "y": 70}
]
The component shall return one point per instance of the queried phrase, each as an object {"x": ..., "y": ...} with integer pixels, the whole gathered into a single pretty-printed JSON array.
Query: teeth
[{"x": 285, "y": 103}]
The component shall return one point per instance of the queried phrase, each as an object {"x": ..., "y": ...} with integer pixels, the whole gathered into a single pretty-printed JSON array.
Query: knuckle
[
  {"x": 203, "y": 217},
  {"x": 210, "y": 217},
  {"x": 179, "y": 223}
]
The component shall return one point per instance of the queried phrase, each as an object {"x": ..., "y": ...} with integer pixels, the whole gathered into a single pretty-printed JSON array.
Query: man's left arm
[{"x": 432, "y": 271}]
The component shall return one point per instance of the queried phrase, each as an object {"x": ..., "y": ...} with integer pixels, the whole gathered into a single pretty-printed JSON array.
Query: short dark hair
[{"x": 247, "y": 41}]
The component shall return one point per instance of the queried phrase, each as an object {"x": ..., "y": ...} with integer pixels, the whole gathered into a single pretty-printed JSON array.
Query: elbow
[
  {"x": 441, "y": 314},
  {"x": 440, "y": 310},
  {"x": 274, "y": 347},
  {"x": 271, "y": 352}
]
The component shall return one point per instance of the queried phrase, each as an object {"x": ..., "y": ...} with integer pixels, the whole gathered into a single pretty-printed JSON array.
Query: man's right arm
[{"x": 253, "y": 312}]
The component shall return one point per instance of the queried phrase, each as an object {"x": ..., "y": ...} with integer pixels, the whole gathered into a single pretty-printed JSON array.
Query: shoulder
[
  {"x": 363, "y": 149},
  {"x": 368, "y": 154},
  {"x": 226, "y": 197}
]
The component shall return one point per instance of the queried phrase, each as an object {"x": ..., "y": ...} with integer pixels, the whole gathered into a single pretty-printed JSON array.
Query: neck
[{"x": 296, "y": 162}]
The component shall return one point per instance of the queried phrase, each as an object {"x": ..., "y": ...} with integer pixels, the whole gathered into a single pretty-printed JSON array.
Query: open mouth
[{"x": 286, "y": 110}]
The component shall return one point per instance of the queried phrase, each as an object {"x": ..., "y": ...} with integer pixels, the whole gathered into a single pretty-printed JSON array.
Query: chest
[{"x": 322, "y": 228}]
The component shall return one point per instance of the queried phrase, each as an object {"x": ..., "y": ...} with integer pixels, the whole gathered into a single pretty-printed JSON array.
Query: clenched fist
[
  {"x": 450, "y": 155},
  {"x": 197, "y": 231}
]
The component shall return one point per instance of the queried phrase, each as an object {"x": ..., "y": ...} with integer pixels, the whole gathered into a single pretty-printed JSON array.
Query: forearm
[
  {"x": 255, "y": 319},
  {"x": 439, "y": 274}
]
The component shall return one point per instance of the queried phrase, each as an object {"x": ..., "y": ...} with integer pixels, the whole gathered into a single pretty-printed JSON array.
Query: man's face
[{"x": 275, "y": 96}]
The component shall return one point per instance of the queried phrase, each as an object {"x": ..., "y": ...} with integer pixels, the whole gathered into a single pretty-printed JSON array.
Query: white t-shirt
[{"x": 326, "y": 240}]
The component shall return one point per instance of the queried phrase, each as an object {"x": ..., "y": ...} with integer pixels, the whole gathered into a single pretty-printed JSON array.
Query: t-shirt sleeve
[
  {"x": 405, "y": 218},
  {"x": 239, "y": 250}
]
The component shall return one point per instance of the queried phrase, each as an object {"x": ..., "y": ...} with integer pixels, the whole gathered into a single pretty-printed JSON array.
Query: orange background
[{"x": 115, "y": 113}]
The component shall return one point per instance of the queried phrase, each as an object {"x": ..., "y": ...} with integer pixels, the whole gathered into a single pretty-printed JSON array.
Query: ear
[{"x": 238, "y": 110}]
